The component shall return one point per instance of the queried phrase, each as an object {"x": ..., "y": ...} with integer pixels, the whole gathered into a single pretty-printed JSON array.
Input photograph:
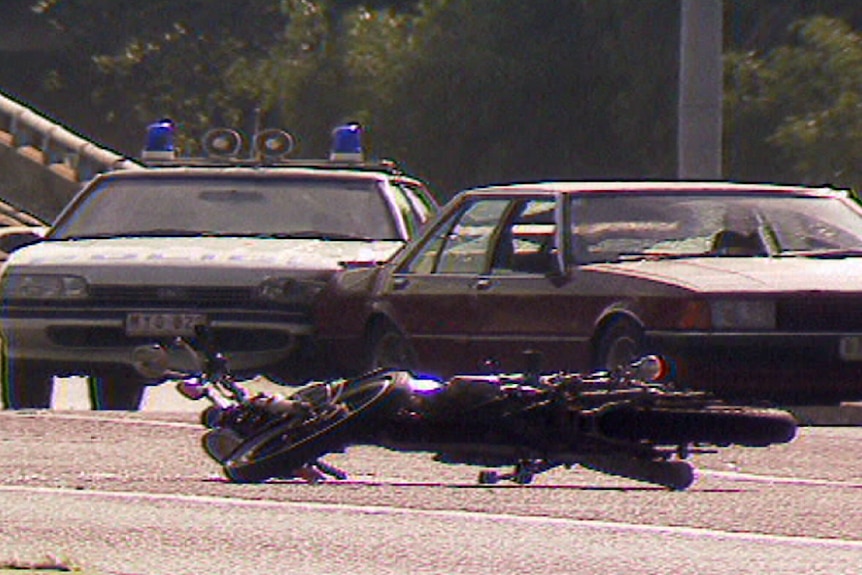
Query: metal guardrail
[
  {"x": 43, "y": 164},
  {"x": 52, "y": 145}
]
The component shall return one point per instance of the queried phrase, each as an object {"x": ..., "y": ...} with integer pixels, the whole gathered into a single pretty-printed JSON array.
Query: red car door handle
[
  {"x": 399, "y": 283},
  {"x": 482, "y": 284}
]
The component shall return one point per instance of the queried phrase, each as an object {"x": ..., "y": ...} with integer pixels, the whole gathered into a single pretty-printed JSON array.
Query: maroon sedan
[{"x": 753, "y": 291}]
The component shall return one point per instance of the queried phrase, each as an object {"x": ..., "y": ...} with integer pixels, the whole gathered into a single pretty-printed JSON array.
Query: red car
[{"x": 753, "y": 291}]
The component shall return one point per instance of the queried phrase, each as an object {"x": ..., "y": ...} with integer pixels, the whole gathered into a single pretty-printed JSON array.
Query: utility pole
[{"x": 699, "y": 131}]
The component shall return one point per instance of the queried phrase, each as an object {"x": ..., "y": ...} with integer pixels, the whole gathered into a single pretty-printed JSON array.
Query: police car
[{"x": 243, "y": 247}]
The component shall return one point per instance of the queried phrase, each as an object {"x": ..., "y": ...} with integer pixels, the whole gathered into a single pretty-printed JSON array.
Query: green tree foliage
[
  {"x": 136, "y": 61},
  {"x": 462, "y": 92},
  {"x": 474, "y": 91},
  {"x": 804, "y": 100}
]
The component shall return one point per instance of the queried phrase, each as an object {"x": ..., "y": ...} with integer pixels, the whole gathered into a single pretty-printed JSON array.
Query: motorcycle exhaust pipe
[{"x": 673, "y": 474}]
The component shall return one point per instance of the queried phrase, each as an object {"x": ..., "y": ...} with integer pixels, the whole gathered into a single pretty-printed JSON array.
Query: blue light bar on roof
[
  {"x": 160, "y": 141},
  {"x": 347, "y": 143}
]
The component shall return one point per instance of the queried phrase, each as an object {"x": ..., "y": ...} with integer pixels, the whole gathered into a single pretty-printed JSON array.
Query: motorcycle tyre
[
  {"x": 258, "y": 459},
  {"x": 716, "y": 425},
  {"x": 219, "y": 444}
]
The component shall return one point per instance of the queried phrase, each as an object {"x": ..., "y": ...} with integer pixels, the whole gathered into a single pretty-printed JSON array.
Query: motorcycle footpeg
[{"x": 488, "y": 477}]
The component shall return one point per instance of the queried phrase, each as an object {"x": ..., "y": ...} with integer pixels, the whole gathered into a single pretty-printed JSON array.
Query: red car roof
[{"x": 683, "y": 187}]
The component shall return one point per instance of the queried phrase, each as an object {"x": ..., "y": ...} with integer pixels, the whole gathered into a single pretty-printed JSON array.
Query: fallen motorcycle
[{"x": 626, "y": 423}]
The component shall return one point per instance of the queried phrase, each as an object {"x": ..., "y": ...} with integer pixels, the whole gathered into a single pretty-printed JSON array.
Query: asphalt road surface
[{"x": 134, "y": 494}]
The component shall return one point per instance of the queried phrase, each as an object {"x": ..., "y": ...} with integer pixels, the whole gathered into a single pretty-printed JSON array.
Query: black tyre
[
  {"x": 116, "y": 388},
  {"x": 27, "y": 385},
  {"x": 287, "y": 446},
  {"x": 619, "y": 344},
  {"x": 220, "y": 443},
  {"x": 716, "y": 425},
  {"x": 389, "y": 349}
]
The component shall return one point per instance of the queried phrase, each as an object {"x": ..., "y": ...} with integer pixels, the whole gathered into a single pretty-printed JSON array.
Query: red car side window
[{"x": 461, "y": 245}]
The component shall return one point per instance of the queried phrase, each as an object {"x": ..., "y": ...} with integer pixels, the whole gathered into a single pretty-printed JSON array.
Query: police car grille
[{"x": 151, "y": 295}]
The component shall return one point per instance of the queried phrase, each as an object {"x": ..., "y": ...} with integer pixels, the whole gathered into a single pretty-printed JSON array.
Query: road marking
[
  {"x": 699, "y": 532},
  {"x": 737, "y": 476},
  {"x": 101, "y": 417}
]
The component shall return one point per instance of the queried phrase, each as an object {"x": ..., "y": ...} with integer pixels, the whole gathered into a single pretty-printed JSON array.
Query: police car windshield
[{"x": 283, "y": 207}]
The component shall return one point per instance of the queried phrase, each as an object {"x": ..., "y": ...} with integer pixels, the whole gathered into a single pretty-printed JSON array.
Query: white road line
[
  {"x": 99, "y": 416},
  {"x": 737, "y": 476},
  {"x": 698, "y": 532}
]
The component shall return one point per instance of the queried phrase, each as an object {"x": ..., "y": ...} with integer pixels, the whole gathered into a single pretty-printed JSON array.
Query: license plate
[
  {"x": 850, "y": 348},
  {"x": 146, "y": 323}
]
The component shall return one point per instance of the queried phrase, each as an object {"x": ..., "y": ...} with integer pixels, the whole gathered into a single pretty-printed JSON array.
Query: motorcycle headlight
[
  {"x": 289, "y": 290},
  {"x": 45, "y": 286},
  {"x": 743, "y": 314}
]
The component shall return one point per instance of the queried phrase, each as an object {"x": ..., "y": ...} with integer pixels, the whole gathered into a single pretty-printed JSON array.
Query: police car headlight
[
  {"x": 289, "y": 290},
  {"x": 743, "y": 314},
  {"x": 45, "y": 286}
]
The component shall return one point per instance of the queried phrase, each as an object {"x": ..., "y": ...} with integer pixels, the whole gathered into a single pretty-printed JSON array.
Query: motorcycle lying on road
[{"x": 625, "y": 422}]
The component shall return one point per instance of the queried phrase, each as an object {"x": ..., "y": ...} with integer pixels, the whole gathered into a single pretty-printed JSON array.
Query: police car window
[
  {"x": 423, "y": 205},
  {"x": 231, "y": 195},
  {"x": 405, "y": 208},
  {"x": 248, "y": 206}
]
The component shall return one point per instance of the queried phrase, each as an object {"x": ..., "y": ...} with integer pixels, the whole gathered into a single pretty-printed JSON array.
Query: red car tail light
[{"x": 695, "y": 315}]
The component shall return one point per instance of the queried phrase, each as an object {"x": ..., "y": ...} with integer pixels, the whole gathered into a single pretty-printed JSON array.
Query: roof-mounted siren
[
  {"x": 160, "y": 141},
  {"x": 273, "y": 144},
  {"x": 347, "y": 143},
  {"x": 222, "y": 143}
]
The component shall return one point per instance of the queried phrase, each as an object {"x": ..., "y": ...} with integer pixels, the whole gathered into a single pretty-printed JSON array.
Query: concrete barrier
[
  {"x": 43, "y": 164},
  {"x": 846, "y": 414}
]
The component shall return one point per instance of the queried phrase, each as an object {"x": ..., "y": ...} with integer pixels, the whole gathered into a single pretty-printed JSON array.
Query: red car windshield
[{"x": 606, "y": 227}]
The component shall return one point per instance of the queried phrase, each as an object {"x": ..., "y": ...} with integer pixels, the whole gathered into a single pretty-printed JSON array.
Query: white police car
[{"x": 143, "y": 256}]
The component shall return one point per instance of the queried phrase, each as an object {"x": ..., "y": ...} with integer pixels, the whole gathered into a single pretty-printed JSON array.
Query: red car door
[
  {"x": 525, "y": 298},
  {"x": 433, "y": 296}
]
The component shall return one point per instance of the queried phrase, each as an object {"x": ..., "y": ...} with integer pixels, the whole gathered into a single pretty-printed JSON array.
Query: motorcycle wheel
[
  {"x": 716, "y": 425},
  {"x": 220, "y": 443},
  {"x": 285, "y": 447}
]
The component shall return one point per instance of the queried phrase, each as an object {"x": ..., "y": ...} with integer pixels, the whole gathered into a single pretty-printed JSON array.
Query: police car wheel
[
  {"x": 27, "y": 385},
  {"x": 116, "y": 388},
  {"x": 389, "y": 348}
]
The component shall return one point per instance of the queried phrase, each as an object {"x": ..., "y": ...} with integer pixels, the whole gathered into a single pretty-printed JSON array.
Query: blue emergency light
[
  {"x": 160, "y": 141},
  {"x": 347, "y": 143}
]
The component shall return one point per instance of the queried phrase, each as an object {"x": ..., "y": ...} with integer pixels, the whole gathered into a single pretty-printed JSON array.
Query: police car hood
[
  {"x": 142, "y": 260},
  {"x": 745, "y": 274}
]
